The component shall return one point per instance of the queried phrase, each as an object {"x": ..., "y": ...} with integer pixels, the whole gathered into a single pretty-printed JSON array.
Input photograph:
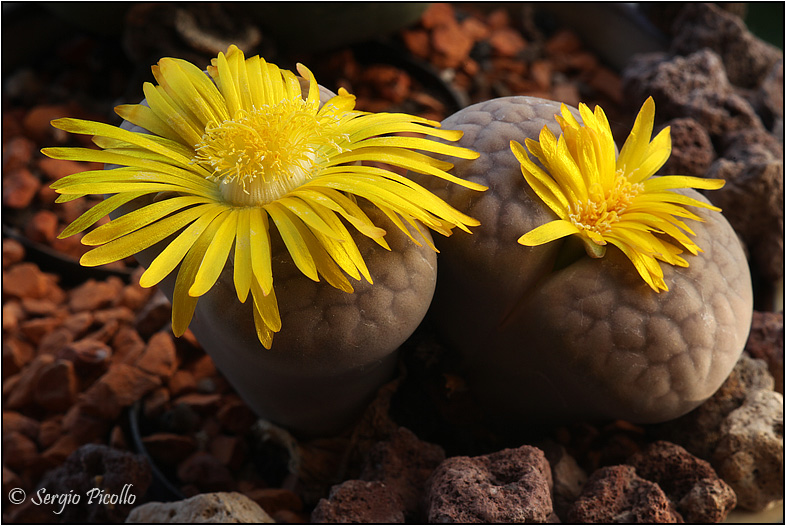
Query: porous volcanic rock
[
  {"x": 691, "y": 483},
  {"x": 404, "y": 463},
  {"x": 747, "y": 58},
  {"x": 692, "y": 152},
  {"x": 206, "y": 508},
  {"x": 617, "y": 495},
  {"x": 360, "y": 501},
  {"x": 766, "y": 343},
  {"x": 512, "y": 485},
  {"x": 749, "y": 455}
]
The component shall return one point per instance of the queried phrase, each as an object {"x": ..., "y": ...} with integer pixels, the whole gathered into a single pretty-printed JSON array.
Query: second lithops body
[{"x": 599, "y": 315}]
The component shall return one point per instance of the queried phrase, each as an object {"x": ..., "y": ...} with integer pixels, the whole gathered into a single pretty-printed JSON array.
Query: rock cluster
[
  {"x": 740, "y": 427},
  {"x": 721, "y": 90}
]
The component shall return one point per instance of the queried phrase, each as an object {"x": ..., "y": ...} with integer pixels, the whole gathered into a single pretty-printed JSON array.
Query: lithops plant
[
  {"x": 221, "y": 181},
  {"x": 585, "y": 292}
]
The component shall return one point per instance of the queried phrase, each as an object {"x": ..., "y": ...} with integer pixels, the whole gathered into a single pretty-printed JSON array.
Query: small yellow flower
[
  {"x": 229, "y": 153},
  {"x": 605, "y": 199}
]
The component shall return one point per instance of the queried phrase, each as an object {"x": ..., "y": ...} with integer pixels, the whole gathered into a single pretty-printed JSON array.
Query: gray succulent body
[{"x": 548, "y": 333}]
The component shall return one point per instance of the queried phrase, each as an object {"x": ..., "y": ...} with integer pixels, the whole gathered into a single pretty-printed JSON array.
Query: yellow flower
[
  {"x": 226, "y": 154},
  {"x": 605, "y": 199}
]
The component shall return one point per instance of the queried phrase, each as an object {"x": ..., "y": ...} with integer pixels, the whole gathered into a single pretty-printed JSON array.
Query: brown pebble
[
  {"x": 42, "y": 227},
  {"x": 13, "y": 252},
  {"x": 127, "y": 345},
  {"x": 19, "y": 188},
  {"x": 507, "y": 42},
  {"x": 36, "y": 328},
  {"x": 37, "y": 123},
  {"x": 16, "y": 354},
  {"x": 117, "y": 439},
  {"x": 169, "y": 448},
  {"x": 93, "y": 295},
  {"x": 206, "y": 472},
  {"x": 55, "y": 169},
  {"x": 275, "y": 499},
  {"x": 26, "y": 280},
  {"x": 235, "y": 416},
  {"x": 39, "y": 306},
  {"x": 119, "y": 387},
  {"x": 22, "y": 393},
  {"x": 15, "y": 422},
  {"x": 200, "y": 403},
  {"x": 13, "y": 314},
  {"x": 159, "y": 357},
  {"x": 155, "y": 403},
  {"x": 229, "y": 450},
  {"x": 19, "y": 451},
  {"x": 51, "y": 429},
  {"x": 56, "y": 387},
  {"x": 182, "y": 382},
  {"x": 53, "y": 342},
  {"x": 17, "y": 153}
]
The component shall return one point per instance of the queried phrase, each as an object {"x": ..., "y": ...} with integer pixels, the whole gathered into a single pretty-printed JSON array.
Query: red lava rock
[
  {"x": 512, "y": 485},
  {"x": 57, "y": 386},
  {"x": 35, "y": 329},
  {"x": 360, "y": 502},
  {"x": 507, "y": 42},
  {"x": 16, "y": 354},
  {"x": 541, "y": 74},
  {"x": 566, "y": 92},
  {"x": 128, "y": 346},
  {"x": 746, "y": 58},
  {"x": 37, "y": 123},
  {"x": 22, "y": 393},
  {"x": 14, "y": 422},
  {"x": 766, "y": 343},
  {"x": 451, "y": 44},
  {"x": 83, "y": 427},
  {"x": 404, "y": 463},
  {"x": 159, "y": 357},
  {"x": 42, "y": 227},
  {"x": 19, "y": 451},
  {"x": 201, "y": 403},
  {"x": 616, "y": 495},
  {"x": 276, "y": 499},
  {"x": 54, "y": 342},
  {"x": 699, "y": 431},
  {"x": 117, "y": 438},
  {"x": 119, "y": 387},
  {"x": 114, "y": 314},
  {"x": 19, "y": 188},
  {"x": 55, "y": 169},
  {"x": 78, "y": 324},
  {"x": 93, "y": 295},
  {"x": 203, "y": 367},
  {"x": 169, "y": 448},
  {"x": 50, "y": 431},
  {"x": 564, "y": 41},
  {"x": 229, "y": 450},
  {"x": 134, "y": 296},
  {"x": 154, "y": 316},
  {"x": 475, "y": 29},
  {"x": 234, "y": 415},
  {"x": 40, "y": 307},
  {"x": 17, "y": 153},
  {"x": 417, "y": 42},
  {"x": 155, "y": 403},
  {"x": 181, "y": 382},
  {"x": 692, "y": 485},
  {"x": 692, "y": 152},
  {"x": 752, "y": 199},
  {"x": 55, "y": 455},
  {"x": 26, "y": 280},
  {"x": 90, "y": 354},
  {"x": 608, "y": 83},
  {"x": 437, "y": 14},
  {"x": 113, "y": 472},
  {"x": 13, "y": 313},
  {"x": 205, "y": 472},
  {"x": 13, "y": 252}
]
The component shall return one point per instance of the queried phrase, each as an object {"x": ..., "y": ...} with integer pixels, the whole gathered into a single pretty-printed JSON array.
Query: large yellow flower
[
  {"x": 605, "y": 199},
  {"x": 225, "y": 155}
]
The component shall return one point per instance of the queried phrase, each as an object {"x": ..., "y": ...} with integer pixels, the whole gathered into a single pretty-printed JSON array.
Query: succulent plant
[{"x": 571, "y": 300}]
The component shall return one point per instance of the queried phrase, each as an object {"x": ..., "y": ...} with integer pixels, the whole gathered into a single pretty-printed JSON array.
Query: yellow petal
[
  {"x": 548, "y": 232},
  {"x": 215, "y": 257}
]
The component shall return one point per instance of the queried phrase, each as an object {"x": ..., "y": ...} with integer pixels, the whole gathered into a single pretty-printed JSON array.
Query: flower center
[
  {"x": 262, "y": 154},
  {"x": 604, "y": 207}
]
